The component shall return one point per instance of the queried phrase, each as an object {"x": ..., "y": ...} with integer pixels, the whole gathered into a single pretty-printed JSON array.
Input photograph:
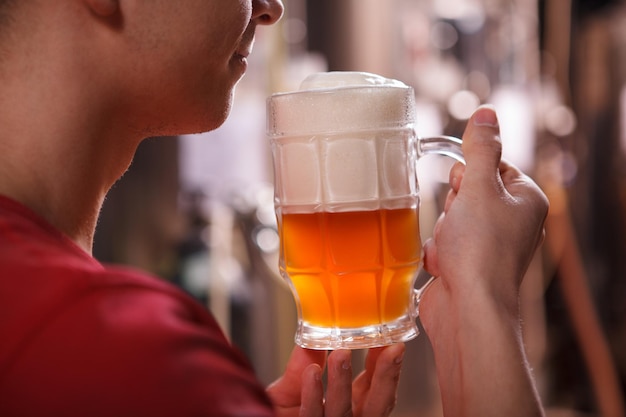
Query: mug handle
[{"x": 439, "y": 145}]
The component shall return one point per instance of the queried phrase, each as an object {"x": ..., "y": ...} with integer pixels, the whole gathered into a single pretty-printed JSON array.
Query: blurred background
[{"x": 198, "y": 210}]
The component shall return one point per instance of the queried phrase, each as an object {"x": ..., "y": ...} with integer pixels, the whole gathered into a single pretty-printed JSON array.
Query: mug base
[{"x": 331, "y": 338}]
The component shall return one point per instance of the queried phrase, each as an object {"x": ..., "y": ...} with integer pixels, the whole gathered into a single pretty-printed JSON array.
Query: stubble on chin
[{"x": 205, "y": 118}]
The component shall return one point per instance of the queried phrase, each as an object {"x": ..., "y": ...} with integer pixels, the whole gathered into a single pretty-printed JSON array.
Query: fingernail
[
  {"x": 398, "y": 360},
  {"x": 485, "y": 115},
  {"x": 400, "y": 356},
  {"x": 346, "y": 358},
  {"x": 454, "y": 182}
]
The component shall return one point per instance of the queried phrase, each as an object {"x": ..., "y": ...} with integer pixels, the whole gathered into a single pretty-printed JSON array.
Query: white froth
[
  {"x": 334, "y": 79},
  {"x": 345, "y": 137},
  {"x": 341, "y": 101}
]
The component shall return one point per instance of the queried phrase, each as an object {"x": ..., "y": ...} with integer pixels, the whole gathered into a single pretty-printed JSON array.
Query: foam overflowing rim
[
  {"x": 342, "y": 81},
  {"x": 336, "y": 99}
]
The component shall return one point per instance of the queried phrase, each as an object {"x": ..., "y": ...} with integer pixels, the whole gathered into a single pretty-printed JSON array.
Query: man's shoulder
[
  {"x": 102, "y": 305},
  {"x": 137, "y": 338}
]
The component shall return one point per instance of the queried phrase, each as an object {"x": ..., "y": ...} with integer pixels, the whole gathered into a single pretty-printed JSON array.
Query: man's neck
[
  {"x": 62, "y": 164},
  {"x": 66, "y": 135}
]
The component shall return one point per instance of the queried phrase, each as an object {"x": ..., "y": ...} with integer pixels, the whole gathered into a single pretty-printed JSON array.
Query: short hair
[
  {"x": 6, "y": 14},
  {"x": 5, "y": 6}
]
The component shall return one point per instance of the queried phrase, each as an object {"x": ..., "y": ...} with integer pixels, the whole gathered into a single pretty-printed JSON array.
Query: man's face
[{"x": 188, "y": 55}]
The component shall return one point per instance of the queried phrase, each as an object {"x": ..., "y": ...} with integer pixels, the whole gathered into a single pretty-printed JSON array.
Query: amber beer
[{"x": 351, "y": 269}]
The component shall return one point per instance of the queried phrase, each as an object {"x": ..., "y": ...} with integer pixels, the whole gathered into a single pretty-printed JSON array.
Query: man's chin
[
  {"x": 216, "y": 116},
  {"x": 205, "y": 122},
  {"x": 207, "y": 117}
]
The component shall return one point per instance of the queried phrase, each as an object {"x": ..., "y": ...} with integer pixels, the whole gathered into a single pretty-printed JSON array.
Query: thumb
[{"x": 482, "y": 147}]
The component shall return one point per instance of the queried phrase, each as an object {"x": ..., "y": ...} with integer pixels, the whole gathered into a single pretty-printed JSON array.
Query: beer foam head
[
  {"x": 332, "y": 102},
  {"x": 343, "y": 142},
  {"x": 338, "y": 79}
]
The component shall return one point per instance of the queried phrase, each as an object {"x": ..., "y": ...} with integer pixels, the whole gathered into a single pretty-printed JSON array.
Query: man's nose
[{"x": 267, "y": 12}]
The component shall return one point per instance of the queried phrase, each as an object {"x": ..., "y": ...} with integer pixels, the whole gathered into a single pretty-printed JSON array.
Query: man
[{"x": 82, "y": 83}]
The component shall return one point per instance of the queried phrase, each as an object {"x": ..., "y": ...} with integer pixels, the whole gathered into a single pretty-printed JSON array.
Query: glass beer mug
[{"x": 346, "y": 196}]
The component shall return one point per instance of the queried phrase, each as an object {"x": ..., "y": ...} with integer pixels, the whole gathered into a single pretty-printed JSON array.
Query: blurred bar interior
[{"x": 197, "y": 210}]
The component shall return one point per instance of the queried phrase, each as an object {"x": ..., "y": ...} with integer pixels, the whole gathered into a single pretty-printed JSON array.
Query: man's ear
[{"x": 103, "y": 8}]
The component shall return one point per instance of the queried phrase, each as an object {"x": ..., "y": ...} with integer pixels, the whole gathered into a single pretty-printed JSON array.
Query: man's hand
[
  {"x": 482, "y": 244},
  {"x": 300, "y": 392}
]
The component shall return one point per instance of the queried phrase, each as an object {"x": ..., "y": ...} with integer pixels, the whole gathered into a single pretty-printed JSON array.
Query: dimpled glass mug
[{"x": 346, "y": 197}]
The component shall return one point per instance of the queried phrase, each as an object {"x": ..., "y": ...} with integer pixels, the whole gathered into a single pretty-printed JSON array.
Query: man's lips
[
  {"x": 245, "y": 47},
  {"x": 243, "y": 52}
]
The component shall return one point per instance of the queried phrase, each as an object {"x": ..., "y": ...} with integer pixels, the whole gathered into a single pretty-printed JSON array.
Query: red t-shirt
[{"x": 81, "y": 339}]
